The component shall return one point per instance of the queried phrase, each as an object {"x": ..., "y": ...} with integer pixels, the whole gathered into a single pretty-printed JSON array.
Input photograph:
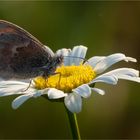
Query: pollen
[{"x": 66, "y": 78}]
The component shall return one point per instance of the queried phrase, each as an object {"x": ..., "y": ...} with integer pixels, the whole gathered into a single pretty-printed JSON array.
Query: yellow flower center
[{"x": 66, "y": 78}]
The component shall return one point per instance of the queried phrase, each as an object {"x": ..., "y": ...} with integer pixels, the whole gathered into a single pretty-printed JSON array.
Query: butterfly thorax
[{"x": 50, "y": 67}]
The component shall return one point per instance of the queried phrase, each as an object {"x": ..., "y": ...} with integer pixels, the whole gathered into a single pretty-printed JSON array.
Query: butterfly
[{"x": 22, "y": 56}]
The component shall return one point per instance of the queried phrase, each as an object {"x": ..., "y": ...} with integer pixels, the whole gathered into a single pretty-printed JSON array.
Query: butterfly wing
[{"x": 20, "y": 52}]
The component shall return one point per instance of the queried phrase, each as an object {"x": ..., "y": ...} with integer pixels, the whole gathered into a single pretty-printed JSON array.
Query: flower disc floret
[{"x": 67, "y": 78}]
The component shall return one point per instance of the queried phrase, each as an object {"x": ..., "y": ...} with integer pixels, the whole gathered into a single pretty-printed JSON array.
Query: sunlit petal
[
  {"x": 109, "y": 61},
  {"x": 83, "y": 90},
  {"x": 77, "y": 54},
  {"x": 124, "y": 71},
  {"x": 26, "y": 95},
  {"x": 73, "y": 102},
  {"x": 93, "y": 61},
  {"x": 126, "y": 77},
  {"x": 12, "y": 87},
  {"x": 55, "y": 94},
  {"x": 127, "y": 59},
  {"x": 109, "y": 79},
  {"x": 99, "y": 91}
]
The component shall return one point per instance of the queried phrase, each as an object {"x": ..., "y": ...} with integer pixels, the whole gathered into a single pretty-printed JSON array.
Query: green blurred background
[{"x": 105, "y": 28}]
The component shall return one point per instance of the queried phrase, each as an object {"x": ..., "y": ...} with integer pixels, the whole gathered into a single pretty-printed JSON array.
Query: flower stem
[{"x": 73, "y": 125}]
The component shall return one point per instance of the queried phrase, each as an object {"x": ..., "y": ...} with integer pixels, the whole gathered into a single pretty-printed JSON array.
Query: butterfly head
[
  {"x": 50, "y": 67},
  {"x": 58, "y": 60}
]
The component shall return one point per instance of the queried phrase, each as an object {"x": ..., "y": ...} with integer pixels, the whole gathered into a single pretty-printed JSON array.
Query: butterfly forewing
[{"x": 21, "y": 54}]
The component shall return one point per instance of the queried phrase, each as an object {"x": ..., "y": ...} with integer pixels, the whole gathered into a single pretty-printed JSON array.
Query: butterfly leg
[
  {"x": 59, "y": 73},
  {"x": 28, "y": 86}
]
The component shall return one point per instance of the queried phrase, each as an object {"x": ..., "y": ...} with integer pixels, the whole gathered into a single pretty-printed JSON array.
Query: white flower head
[{"x": 75, "y": 81}]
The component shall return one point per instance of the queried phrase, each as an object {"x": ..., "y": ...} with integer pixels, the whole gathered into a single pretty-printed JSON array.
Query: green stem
[
  {"x": 72, "y": 121},
  {"x": 73, "y": 125}
]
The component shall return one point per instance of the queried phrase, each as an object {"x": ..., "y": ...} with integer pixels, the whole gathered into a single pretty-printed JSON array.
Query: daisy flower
[{"x": 75, "y": 80}]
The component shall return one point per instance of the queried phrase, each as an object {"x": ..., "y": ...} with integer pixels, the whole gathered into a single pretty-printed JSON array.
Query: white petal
[
  {"x": 12, "y": 87},
  {"x": 20, "y": 100},
  {"x": 100, "y": 91},
  {"x": 66, "y": 54},
  {"x": 73, "y": 102},
  {"x": 130, "y": 59},
  {"x": 77, "y": 55},
  {"x": 42, "y": 92},
  {"x": 63, "y": 52},
  {"x": 83, "y": 90},
  {"x": 49, "y": 50},
  {"x": 125, "y": 73},
  {"x": 28, "y": 94},
  {"x": 126, "y": 77},
  {"x": 10, "y": 82},
  {"x": 109, "y": 79},
  {"x": 37, "y": 93},
  {"x": 110, "y": 60},
  {"x": 94, "y": 60},
  {"x": 55, "y": 94}
]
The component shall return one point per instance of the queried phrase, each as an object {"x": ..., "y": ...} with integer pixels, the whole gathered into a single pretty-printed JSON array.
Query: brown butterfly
[{"x": 23, "y": 56}]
